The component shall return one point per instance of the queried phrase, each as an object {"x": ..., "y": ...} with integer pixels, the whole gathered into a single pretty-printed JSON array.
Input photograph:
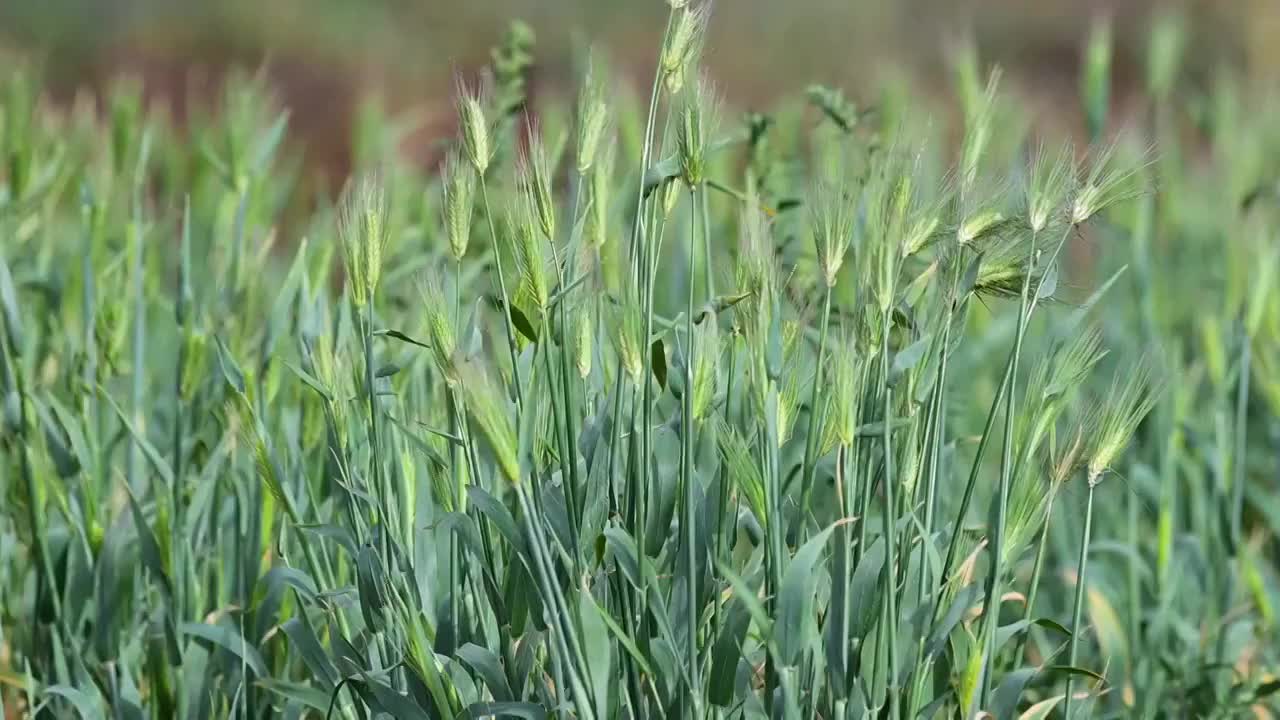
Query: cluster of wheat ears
[{"x": 644, "y": 411}]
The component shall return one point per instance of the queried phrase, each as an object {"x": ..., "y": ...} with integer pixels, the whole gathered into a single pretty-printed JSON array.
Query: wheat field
[{"x": 640, "y": 405}]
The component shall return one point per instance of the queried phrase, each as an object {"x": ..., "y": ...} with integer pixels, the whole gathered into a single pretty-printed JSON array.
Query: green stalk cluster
[{"x": 646, "y": 413}]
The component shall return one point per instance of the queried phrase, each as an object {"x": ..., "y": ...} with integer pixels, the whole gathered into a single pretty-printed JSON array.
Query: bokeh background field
[{"x": 327, "y": 57}]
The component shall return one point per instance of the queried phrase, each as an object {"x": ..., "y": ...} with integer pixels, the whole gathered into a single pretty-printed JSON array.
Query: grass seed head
[
  {"x": 683, "y": 44},
  {"x": 697, "y": 117},
  {"x": 1048, "y": 185},
  {"x": 1069, "y": 367},
  {"x": 363, "y": 230},
  {"x": 458, "y": 182},
  {"x": 744, "y": 472},
  {"x": 706, "y": 360},
  {"x": 756, "y": 273},
  {"x": 1131, "y": 397},
  {"x": 1027, "y": 503},
  {"x": 529, "y": 250},
  {"x": 439, "y": 326},
  {"x": 332, "y": 369},
  {"x": 535, "y": 179},
  {"x": 197, "y": 361},
  {"x": 1002, "y": 271},
  {"x": 489, "y": 409},
  {"x": 475, "y": 129},
  {"x": 670, "y": 196},
  {"x": 922, "y": 233},
  {"x": 889, "y": 199},
  {"x": 1072, "y": 456},
  {"x": 833, "y": 216},
  {"x": 627, "y": 333},
  {"x": 979, "y": 119},
  {"x": 583, "y": 332},
  {"x": 593, "y": 124},
  {"x": 599, "y": 180},
  {"x": 1107, "y": 182},
  {"x": 979, "y": 226},
  {"x": 1053, "y": 381},
  {"x": 844, "y": 374},
  {"x": 791, "y": 383}
]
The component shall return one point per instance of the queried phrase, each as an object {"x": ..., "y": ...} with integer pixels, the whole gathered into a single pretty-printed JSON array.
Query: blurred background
[{"x": 325, "y": 57}]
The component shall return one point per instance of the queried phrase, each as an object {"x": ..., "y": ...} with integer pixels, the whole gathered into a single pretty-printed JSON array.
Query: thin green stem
[
  {"x": 708, "y": 275},
  {"x": 809, "y": 468},
  {"x": 559, "y": 615},
  {"x": 984, "y": 438},
  {"x": 650, "y": 125},
  {"x": 889, "y": 510},
  {"x": 375, "y": 458},
  {"x": 991, "y": 610},
  {"x": 722, "y": 502},
  {"x": 862, "y": 472},
  {"x": 1078, "y": 606},
  {"x": 457, "y": 420},
  {"x": 844, "y": 568},
  {"x": 1239, "y": 464},
  {"x": 936, "y": 430},
  {"x": 564, "y": 449},
  {"x": 178, "y": 524},
  {"x": 937, "y": 416},
  {"x": 569, "y": 464},
  {"x": 1037, "y": 569},
  {"x": 688, "y": 478},
  {"x": 508, "y": 325}
]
